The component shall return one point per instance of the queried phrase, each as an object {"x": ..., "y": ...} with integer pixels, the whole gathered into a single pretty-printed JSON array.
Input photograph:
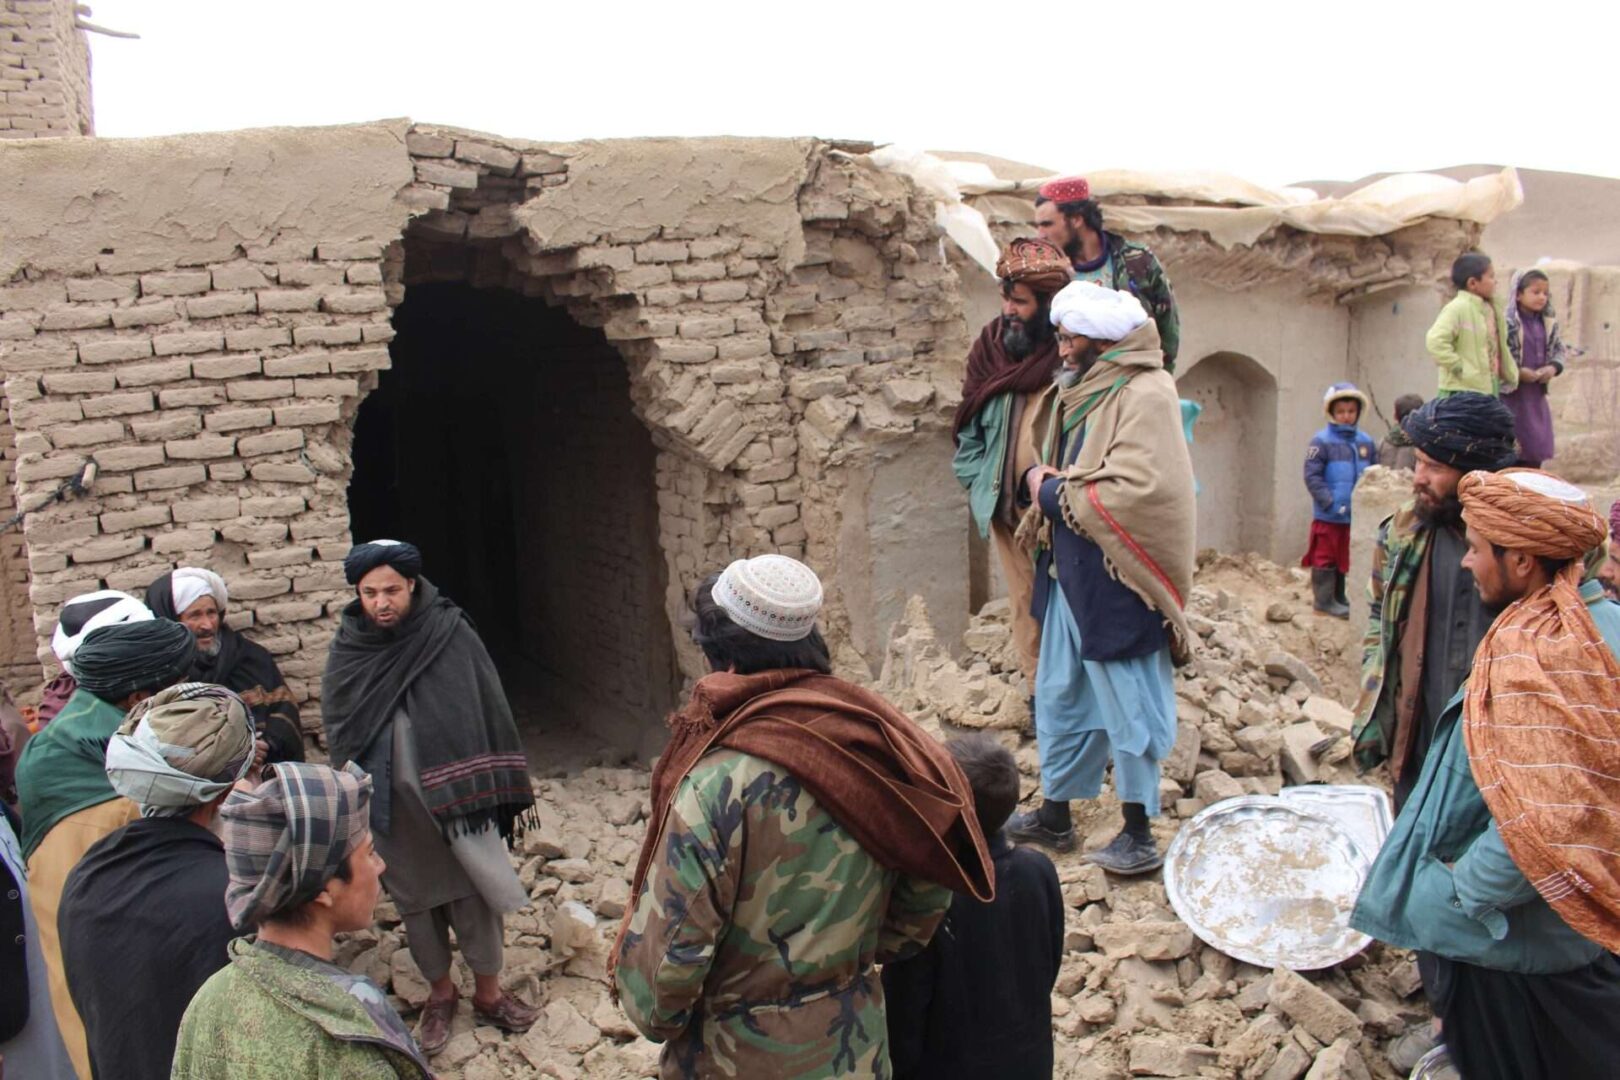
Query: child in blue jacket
[{"x": 1334, "y": 462}]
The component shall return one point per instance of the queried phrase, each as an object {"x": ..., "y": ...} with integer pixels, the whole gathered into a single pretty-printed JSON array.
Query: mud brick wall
[
  {"x": 782, "y": 309},
  {"x": 44, "y": 71}
]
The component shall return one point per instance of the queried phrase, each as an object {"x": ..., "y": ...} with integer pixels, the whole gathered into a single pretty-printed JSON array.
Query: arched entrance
[
  {"x": 1234, "y": 452},
  {"x": 502, "y": 442}
]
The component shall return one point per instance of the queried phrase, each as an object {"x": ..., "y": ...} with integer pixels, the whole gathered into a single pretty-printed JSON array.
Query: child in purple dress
[{"x": 1536, "y": 346}]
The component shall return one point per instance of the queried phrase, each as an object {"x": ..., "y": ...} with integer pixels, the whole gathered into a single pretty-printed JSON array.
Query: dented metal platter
[
  {"x": 1268, "y": 883},
  {"x": 1363, "y": 811}
]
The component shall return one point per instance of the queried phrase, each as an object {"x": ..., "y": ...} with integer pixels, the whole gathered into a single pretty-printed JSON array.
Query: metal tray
[
  {"x": 1268, "y": 883},
  {"x": 1363, "y": 811}
]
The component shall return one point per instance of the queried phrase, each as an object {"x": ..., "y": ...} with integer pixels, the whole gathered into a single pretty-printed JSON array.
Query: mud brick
[{"x": 238, "y": 419}]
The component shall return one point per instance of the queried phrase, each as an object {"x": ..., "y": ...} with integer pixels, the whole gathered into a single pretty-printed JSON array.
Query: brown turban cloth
[
  {"x": 1543, "y": 704},
  {"x": 1036, "y": 263}
]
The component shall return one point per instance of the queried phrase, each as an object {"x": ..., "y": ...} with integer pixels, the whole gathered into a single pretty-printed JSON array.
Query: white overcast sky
[{"x": 1275, "y": 92}]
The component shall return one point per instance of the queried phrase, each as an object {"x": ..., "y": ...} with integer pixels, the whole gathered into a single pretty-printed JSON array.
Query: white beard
[
  {"x": 1064, "y": 377},
  {"x": 210, "y": 649}
]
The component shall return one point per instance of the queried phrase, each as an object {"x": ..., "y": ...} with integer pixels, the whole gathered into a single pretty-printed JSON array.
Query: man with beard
[
  {"x": 1113, "y": 530},
  {"x": 1609, "y": 574},
  {"x": 1426, "y": 616},
  {"x": 1067, "y": 215},
  {"x": 412, "y": 697},
  {"x": 197, "y": 599},
  {"x": 1009, "y": 365},
  {"x": 1500, "y": 869}
]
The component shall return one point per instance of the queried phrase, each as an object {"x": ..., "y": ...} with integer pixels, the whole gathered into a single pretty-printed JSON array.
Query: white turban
[
  {"x": 191, "y": 583},
  {"x": 92, "y": 611},
  {"x": 1091, "y": 311}
]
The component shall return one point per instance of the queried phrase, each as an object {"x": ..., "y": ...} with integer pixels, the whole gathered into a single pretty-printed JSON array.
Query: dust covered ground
[{"x": 1263, "y": 704}]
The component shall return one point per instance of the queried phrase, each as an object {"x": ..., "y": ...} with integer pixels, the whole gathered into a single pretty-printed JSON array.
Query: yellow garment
[{"x": 48, "y": 871}]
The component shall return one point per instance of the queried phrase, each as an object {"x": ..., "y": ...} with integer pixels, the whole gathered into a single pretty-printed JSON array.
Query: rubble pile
[{"x": 1137, "y": 994}]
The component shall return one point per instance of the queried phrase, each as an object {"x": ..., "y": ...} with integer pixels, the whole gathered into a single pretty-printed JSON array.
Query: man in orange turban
[{"x": 1505, "y": 861}]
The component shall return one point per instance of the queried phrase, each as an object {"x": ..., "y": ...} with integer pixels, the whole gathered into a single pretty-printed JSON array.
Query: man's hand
[
  {"x": 1035, "y": 477},
  {"x": 261, "y": 750}
]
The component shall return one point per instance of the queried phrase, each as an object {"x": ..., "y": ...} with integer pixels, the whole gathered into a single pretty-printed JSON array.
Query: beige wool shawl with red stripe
[{"x": 1130, "y": 490}]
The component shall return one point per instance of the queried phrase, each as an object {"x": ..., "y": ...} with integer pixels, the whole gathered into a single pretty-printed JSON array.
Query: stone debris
[{"x": 1137, "y": 993}]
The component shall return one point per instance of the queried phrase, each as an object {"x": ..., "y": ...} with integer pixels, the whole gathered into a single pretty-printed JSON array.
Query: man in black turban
[
  {"x": 67, "y": 802},
  {"x": 413, "y": 698},
  {"x": 1426, "y": 616}
]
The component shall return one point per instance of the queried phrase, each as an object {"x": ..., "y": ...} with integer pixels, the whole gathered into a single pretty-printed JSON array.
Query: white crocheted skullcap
[{"x": 770, "y": 595}]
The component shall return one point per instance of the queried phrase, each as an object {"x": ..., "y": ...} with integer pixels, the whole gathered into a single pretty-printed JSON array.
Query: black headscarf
[
  {"x": 116, "y": 661},
  {"x": 1466, "y": 431},
  {"x": 362, "y": 559}
]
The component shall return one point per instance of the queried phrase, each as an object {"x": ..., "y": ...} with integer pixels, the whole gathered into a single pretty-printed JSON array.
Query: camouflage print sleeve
[
  {"x": 1166, "y": 314},
  {"x": 680, "y": 913},
  {"x": 914, "y": 913}
]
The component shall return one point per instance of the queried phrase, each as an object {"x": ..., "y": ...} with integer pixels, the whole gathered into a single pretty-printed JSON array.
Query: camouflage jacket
[
  {"x": 752, "y": 944},
  {"x": 1398, "y": 555},
  {"x": 1137, "y": 270}
]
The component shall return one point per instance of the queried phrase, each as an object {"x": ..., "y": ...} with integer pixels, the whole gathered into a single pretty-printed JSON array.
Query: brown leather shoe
[
  {"x": 433, "y": 1030},
  {"x": 507, "y": 1013}
]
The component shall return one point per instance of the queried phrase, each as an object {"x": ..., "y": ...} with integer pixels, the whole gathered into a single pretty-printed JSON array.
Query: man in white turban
[
  {"x": 1111, "y": 525},
  {"x": 196, "y": 598}
]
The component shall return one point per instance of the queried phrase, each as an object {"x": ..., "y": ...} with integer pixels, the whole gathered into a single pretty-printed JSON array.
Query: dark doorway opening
[{"x": 502, "y": 443}]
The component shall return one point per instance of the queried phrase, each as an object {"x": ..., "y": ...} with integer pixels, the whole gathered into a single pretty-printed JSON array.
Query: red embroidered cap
[{"x": 1066, "y": 189}]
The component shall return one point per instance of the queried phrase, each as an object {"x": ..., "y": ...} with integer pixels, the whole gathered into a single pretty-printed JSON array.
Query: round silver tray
[{"x": 1268, "y": 883}]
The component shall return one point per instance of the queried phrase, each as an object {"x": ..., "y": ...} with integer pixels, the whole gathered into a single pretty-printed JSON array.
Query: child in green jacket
[{"x": 1469, "y": 339}]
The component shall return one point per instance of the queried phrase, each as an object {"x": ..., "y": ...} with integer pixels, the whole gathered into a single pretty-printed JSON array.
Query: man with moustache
[
  {"x": 1067, "y": 215},
  {"x": 1011, "y": 363},
  {"x": 412, "y": 697},
  {"x": 1113, "y": 533},
  {"x": 197, "y": 599},
  {"x": 1426, "y": 616}
]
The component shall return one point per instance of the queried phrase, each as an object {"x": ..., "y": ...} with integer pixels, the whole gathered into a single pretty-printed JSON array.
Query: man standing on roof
[{"x": 1067, "y": 215}]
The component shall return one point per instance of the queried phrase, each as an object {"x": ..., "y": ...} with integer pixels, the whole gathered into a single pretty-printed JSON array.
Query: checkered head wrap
[{"x": 285, "y": 839}]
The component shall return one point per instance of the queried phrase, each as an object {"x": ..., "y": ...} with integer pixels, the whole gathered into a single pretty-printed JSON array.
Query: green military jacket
[
  {"x": 1444, "y": 882},
  {"x": 267, "y": 1017},
  {"x": 752, "y": 945},
  {"x": 1138, "y": 271}
]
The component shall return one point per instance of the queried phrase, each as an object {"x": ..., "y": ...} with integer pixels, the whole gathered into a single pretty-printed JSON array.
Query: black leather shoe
[
  {"x": 1126, "y": 855},
  {"x": 1027, "y": 829}
]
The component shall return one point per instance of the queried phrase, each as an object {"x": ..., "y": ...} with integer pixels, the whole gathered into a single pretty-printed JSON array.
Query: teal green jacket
[
  {"x": 1480, "y": 910},
  {"x": 981, "y": 457}
]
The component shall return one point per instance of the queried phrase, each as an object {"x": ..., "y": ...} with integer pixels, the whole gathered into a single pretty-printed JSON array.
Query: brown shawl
[
  {"x": 1542, "y": 711},
  {"x": 991, "y": 370},
  {"x": 896, "y": 789},
  {"x": 1130, "y": 491}
]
